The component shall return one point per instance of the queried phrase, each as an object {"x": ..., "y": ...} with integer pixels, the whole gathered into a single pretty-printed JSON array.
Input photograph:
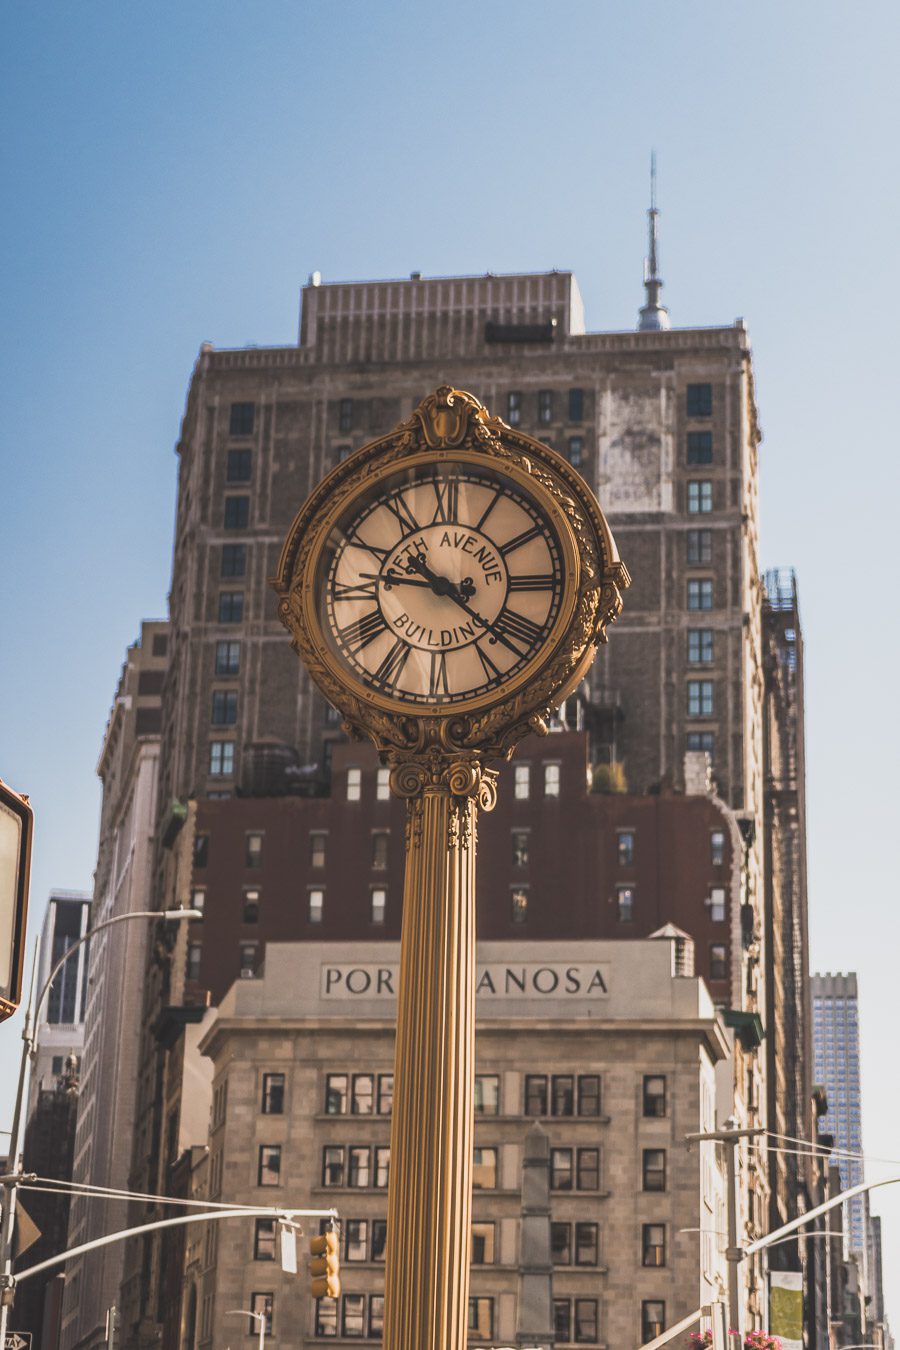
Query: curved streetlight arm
[{"x": 248, "y": 1312}]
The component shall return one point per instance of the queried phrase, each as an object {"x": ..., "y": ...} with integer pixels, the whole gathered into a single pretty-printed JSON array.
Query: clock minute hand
[{"x": 444, "y": 586}]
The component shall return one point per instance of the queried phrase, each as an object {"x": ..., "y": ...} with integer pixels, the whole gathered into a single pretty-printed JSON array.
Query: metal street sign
[
  {"x": 16, "y": 821},
  {"x": 17, "y": 1340}
]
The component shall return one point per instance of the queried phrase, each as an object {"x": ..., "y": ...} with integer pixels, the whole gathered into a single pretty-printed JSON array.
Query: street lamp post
[
  {"x": 29, "y": 1033},
  {"x": 260, "y": 1317}
]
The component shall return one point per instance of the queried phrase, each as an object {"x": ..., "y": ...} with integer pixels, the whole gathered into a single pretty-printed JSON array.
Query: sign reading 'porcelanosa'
[{"x": 531, "y": 980}]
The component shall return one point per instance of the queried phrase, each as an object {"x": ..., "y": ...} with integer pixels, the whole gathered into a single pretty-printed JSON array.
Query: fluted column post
[{"x": 430, "y": 1192}]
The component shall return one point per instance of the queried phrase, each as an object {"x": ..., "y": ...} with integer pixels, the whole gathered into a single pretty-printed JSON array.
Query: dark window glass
[
  {"x": 699, "y": 400},
  {"x": 519, "y": 904},
  {"x": 700, "y": 594},
  {"x": 253, "y": 846},
  {"x": 385, "y": 1093},
  {"x": 224, "y": 707},
  {"x": 562, "y": 1321},
  {"x": 150, "y": 682},
  {"x": 194, "y": 956},
  {"x": 586, "y": 1320},
  {"x": 699, "y": 546},
  {"x": 231, "y": 606},
  {"x": 268, "y": 1170},
  {"x": 487, "y": 1094},
  {"x": 717, "y": 848},
  {"x": 221, "y": 758},
  {"x": 382, "y": 1167},
  {"x": 587, "y": 1244},
  {"x": 362, "y": 1101},
  {"x": 356, "y": 1240},
  {"x": 588, "y": 1178},
  {"x": 653, "y": 1319},
  {"x": 241, "y": 421},
  {"x": 700, "y": 646},
  {"x": 376, "y": 1316},
  {"x": 483, "y": 1243},
  {"x": 481, "y": 1318},
  {"x": 201, "y": 850},
  {"x": 228, "y": 658},
  {"x": 545, "y": 405},
  {"x": 263, "y": 1304},
  {"x": 576, "y": 451},
  {"x": 317, "y": 843},
  {"x": 333, "y": 1165},
  {"x": 234, "y": 560},
  {"x": 576, "y": 405},
  {"x": 484, "y": 1169},
  {"x": 625, "y": 848},
  {"x": 160, "y": 644},
  {"x": 625, "y": 904},
  {"x": 520, "y": 839},
  {"x": 514, "y": 408},
  {"x": 273, "y": 1094},
  {"x": 238, "y": 467},
  {"x": 380, "y": 850},
  {"x": 654, "y": 1096},
  {"x": 353, "y": 1308},
  {"x": 699, "y": 497},
  {"x": 379, "y": 1234},
  {"x": 700, "y": 698},
  {"x": 251, "y": 906},
  {"x": 653, "y": 1244},
  {"x": 249, "y": 952},
  {"x": 718, "y": 962},
  {"x": 563, "y": 1094},
  {"x": 701, "y": 740},
  {"x": 326, "y": 1316},
  {"x": 588, "y": 1094},
  {"x": 237, "y": 513},
  {"x": 336, "y": 1094},
  {"x": 561, "y": 1169},
  {"x": 345, "y": 414},
  {"x": 561, "y": 1244},
  {"x": 654, "y": 1169},
  {"x": 358, "y": 1166},
  {"x": 264, "y": 1240},
  {"x": 699, "y": 447},
  {"x": 536, "y": 1094}
]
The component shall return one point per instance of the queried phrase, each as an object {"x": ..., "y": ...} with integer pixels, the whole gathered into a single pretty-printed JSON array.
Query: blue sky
[{"x": 173, "y": 173}]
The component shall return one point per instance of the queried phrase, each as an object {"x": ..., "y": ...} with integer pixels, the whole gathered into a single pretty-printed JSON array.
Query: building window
[
  {"x": 586, "y": 1321},
  {"x": 201, "y": 850},
  {"x": 718, "y": 962},
  {"x": 699, "y": 496},
  {"x": 653, "y": 1244},
  {"x": 268, "y": 1167},
  {"x": 317, "y": 842},
  {"x": 354, "y": 785},
  {"x": 250, "y": 912},
  {"x": 333, "y": 1165},
  {"x": 336, "y": 1094},
  {"x": 198, "y": 899},
  {"x": 700, "y": 593},
  {"x": 241, "y": 421},
  {"x": 231, "y": 606},
  {"x": 700, "y": 646},
  {"x": 700, "y": 698},
  {"x": 378, "y": 904},
  {"x": 224, "y": 708},
  {"x": 316, "y": 905},
  {"x": 380, "y": 850},
  {"x": 273, "y": 1094},
  {"x": 625, "y": 846},
  {"x": 376, "y": 1316},
  {"x": 487, "y": 1094},
  {"x": 699, "y": 400},
  {"x": 625, "y": 904},
  {"x": 514, "y": 408},
  {"x": 238, "y": 466},
  {"x": 654, "y": 1097},
  {"x": 520, "y": 848},
  {"x": 362, "y": 1096},
  {"x": 234, "y": 560},
  {"x": 221, "y": 759},
  {"x": 382, "y": 1167},
  {"x": 561, "y": 1244},
  {"x": 253, "y": 847},
  {"x": 654, "y": 1169},
  {"x": 701, "y": 740},
  {"x": 717, "y": 904},
  {"x": 385, "y": 1093},
  {"x": 587, "y": 1244},
  {"x": 588, "y": 1094},
  {"x": 551, "y": 780},
  {"x": 536, "y": 1098},
  {"x": 383, "y": 785},
  {"x": 263, "y": 1305},
  {"x": 345, "y": 414},
  {"x": 522, "y": 782},
  {"x": 264, "y": 1240},
  {"x": 699, "y": 546},
  {"x": 561, "y": 1169},
  {"x": 519, "y": 904},
  {"x": 545, "y": 405},
  {"x": 717, "y": 848},
  {"x": 576, "y": 451},
  {"x": 228, "y": 658},
  {"x": 699, "y": 447},
  {"x": 359, "y": 1163},
  {"x": 481, "y": 1318},
  {"x": 562, "y": 1321},
  {"x": 249, "y": 952},
  {"x": 353, "y": 1319},
  {"x": 588, "y": 1172},
  {"x": 326, "y": 1317},
  {"x": 356, "y": 1240},
  {"x": 192, "y": 970},
  {"x": 237, "y": 513},
  {"x": 344, "y": 452},
  {"x": 653, "y": 1314},
  {"x": 576, "y": 405},
  {"x": 483, "y": 1244},
  {"x": 484, "y": 1169}
]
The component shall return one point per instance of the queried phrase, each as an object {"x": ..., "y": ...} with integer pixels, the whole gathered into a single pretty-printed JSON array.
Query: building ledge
[
  {"x": 176, "y": 818},
  {"x": 172, "y": 1021},
  {"x": 748, "y": 1026}
]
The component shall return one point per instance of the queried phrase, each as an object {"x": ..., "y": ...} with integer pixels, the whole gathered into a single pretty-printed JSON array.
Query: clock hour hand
[
  {"x": 441, "y": 585},
  {"x": 393, "y": 578}
]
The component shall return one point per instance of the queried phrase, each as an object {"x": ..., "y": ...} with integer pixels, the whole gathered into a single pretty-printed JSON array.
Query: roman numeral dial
[{"x": 442, "y": 583}]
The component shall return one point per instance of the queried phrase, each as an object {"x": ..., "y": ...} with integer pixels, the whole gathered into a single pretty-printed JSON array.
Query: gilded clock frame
[{"x": 449, "y": 425}]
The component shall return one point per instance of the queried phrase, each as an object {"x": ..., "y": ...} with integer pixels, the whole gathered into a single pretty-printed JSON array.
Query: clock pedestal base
[{"x": 430, "y": 1193}]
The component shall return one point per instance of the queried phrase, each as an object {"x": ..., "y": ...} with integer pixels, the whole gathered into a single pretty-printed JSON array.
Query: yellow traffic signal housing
[{"x": 325, "y": 1268}]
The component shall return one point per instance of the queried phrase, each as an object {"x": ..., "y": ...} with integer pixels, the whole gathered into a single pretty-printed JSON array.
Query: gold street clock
[{"x": 447, "y": 584}]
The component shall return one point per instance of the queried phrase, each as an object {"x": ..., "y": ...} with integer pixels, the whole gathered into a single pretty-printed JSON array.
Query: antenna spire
[{"x": 652, "y": 316}]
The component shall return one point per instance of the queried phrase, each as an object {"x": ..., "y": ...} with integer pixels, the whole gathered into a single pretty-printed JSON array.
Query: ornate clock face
[{"x": 440, "y": 583}]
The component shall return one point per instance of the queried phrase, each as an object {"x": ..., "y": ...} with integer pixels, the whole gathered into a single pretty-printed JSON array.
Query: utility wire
[
  {"x": 822, "y": 1150},
  {"x": 106, "y": 1193}
]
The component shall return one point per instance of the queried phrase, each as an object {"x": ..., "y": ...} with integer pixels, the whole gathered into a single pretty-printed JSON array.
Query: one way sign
[{"x": 18, "y": 1340}]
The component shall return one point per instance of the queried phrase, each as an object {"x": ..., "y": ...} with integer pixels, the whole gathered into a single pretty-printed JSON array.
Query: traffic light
[
  {"x": 16, "y": 823},
  {"x": 325, "y": 1267}
]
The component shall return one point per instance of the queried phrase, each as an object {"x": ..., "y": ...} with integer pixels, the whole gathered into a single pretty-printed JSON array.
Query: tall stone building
[
  {"x": 128, "y": 769},
  {"x": 60, "y": 1030}
]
